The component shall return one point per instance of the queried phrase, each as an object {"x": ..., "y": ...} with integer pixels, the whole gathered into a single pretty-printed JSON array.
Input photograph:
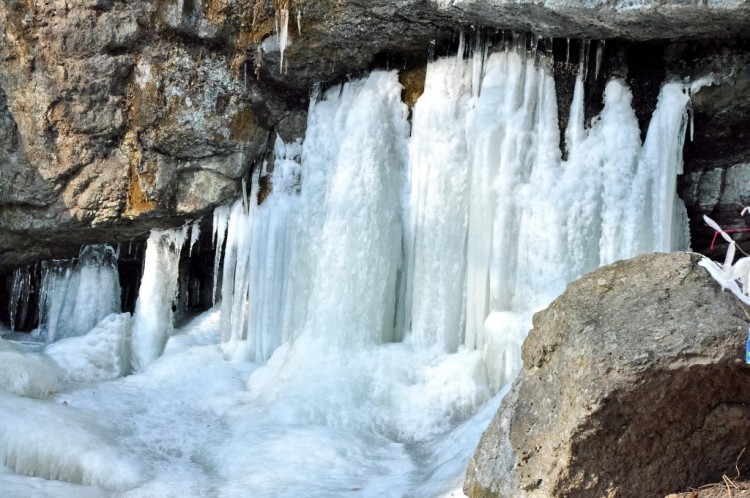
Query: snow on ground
[{"x": 184, "y": 428}]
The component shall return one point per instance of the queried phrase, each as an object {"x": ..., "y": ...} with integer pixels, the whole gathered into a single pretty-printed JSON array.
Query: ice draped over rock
[
  {"x": 452, "y": 237},
  {"x": 153, "y": 318},
  {"x": 73, "y": 295}
]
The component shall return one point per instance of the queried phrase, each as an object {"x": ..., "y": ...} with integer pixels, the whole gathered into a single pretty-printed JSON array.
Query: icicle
[
  {"x": 534, "y": 43},
  {"x": 575, "y": 132},
  {"x": 567, "y": 52},
  {"x": 20, "y": 292},
  {"x": 350, "y": 209},
  {"x": 431, "y": 51},
  {"x": 221, "y": 221},
  {"x": 435, "y": 237},
  {"x": 152, "y": 321},
  {"x": 548, "y": 45},
  {"x": 583, "y": 58},
  {"x": 283, "y": 35},
  {"x": 194, "y": 235},
  {"x": 245, "y": 203},
  {"x": 461, "y": 46},
  {"x": 478, "y": 58},
  {"x": 599, "y": 58},
  {"x": 256, "y": 263},
  {"x": 299, "y": 22},
  {"x": 77, "y": 294},
  {"x": 658, "y": 215}
]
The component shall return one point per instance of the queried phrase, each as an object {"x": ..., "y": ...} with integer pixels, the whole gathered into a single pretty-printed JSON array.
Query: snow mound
[
  {"x": 101, "y": 354},
  {"x": 51, "y": 441},
  {"x": 14, "y": 485},
  {"x": 26, "y": 374}
]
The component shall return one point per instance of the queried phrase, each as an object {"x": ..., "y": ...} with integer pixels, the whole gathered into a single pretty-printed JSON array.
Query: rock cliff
[{"x": 629, "y": 389}]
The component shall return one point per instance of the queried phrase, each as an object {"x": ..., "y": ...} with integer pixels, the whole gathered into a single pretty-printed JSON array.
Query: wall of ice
[
  {"x": 451, "y": 233},
  {"x": 71, "y": 296}
]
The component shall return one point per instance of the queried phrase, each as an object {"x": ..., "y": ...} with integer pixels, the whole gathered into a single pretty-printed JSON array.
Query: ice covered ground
[{"x": 186, "y": 426}]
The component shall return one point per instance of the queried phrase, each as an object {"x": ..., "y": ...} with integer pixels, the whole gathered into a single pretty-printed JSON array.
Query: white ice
[
  {"x": 24, "y": 373},
  {"x": 152, "y": 321},
  {"x": 56, "y": 441},
  {"x": 75, "y": 295},
  {"x": 101, "y": 354}
]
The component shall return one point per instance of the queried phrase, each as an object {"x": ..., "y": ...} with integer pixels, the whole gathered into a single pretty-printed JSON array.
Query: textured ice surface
[
  {"x": 54, "y": 441},
  {"x": 152, "y": 321},
  {"x": 75, "y": 295},
  {"x": 24, "y": 373},
  {"x": 101, "y": 354}
]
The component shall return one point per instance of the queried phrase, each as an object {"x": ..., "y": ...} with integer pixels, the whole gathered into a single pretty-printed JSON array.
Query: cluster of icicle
[
  {"x": 74, "y": 294},
  {"x": 77, "y": 294},
  {"x": 448, "y": 235}
]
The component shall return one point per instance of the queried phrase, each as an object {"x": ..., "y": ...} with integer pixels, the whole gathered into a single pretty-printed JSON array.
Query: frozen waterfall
[
  {"x": 72, "y": 296},
  {"x": 452, "y": 237},
  {"x": 373, "y": 286},
  {"x": 153, "y": 321}
]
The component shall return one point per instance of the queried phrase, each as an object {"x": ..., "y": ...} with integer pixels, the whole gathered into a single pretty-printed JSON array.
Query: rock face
[
  {"x": 628, "y": 389},
  {"x": 107, "y": 122},
  {"x": 717, "y": 159}
]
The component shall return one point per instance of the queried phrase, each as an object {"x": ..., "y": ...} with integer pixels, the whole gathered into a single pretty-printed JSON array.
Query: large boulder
[{"x": 629, "y": 389}]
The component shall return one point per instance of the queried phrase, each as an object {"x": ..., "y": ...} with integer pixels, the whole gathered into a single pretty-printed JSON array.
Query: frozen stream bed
[{"x": 181, "y": 429}]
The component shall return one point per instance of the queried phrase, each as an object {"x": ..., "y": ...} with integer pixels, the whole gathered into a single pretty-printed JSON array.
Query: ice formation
[
  {"x": 26, "y": 374},
  {"x": 257, "y": 253},
  {"x": 76, "y": 295},
  {"x": 20, "y": 290},
  {"x": 47, "y": 440},
  {"x": 374, "y": 300},
  {"x": 220, "y": 223},
  {"x": 404, "y": 308},
  {"x": 101, "y": 354},
  {"x": 490, "y": 226},
  {"x": 283, "y": 34},
  {"x": 152, "y": 321},
  {"x": 73, "y": 295}
]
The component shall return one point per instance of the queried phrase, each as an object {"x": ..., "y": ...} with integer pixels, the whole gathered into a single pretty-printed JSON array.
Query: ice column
[
  {"x": 283, "y": 35},
  {"x": 486, "y": 168},
  {"x": 220, "y": 223},
  {"x": 348, "y": 237},
  {"x": 510, "y": 132},
  {"x": 257, "y": 257},
  {"x": 437, "y": 208},
  {"x": 658, "y": 220},
  {"x": 20, "y": 291},
  {"x": 152, "y": 322}
]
